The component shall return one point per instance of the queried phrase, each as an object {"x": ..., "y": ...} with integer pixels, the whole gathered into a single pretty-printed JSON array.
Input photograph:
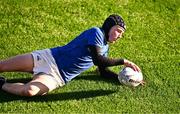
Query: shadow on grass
[
  {"x": 94, "y": 77},
  {"x": 75, "y": 95}
]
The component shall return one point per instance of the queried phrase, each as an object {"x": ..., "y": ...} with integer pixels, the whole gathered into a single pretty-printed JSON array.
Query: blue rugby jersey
[{"x": 75, "y": 57}]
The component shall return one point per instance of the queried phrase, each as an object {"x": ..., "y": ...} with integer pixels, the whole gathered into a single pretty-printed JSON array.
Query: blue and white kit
[{"x": 75, "y": 57}]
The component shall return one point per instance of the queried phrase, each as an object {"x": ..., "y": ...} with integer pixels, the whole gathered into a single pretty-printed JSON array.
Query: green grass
[{"x": 152, "y": 41}]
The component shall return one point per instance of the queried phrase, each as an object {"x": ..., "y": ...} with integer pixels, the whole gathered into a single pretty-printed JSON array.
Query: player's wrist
[{"x": 126, "y": 62}]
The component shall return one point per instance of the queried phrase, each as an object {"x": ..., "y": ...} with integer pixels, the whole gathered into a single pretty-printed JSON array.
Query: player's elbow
[{"x": 98, "y": 61}]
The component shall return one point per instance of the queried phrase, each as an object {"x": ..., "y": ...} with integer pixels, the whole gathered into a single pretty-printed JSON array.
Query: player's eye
[{"x": 120, "y": 30}]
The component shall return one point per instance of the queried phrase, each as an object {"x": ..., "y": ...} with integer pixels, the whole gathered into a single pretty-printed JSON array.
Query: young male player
[{"x": 54, "y": 67}]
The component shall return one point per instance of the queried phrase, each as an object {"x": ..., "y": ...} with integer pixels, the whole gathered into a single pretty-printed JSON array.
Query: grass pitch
[{"x": 152, "y": 41}]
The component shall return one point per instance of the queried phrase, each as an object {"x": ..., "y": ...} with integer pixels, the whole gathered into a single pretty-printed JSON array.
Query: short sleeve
[{"x": 96, "y": 37}]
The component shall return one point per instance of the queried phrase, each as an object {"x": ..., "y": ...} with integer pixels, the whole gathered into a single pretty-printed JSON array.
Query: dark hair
[{"x": 112, "y": 20}]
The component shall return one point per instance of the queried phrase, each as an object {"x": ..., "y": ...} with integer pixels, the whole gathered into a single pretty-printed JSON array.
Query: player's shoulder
[{"x": 96, "y": 30}]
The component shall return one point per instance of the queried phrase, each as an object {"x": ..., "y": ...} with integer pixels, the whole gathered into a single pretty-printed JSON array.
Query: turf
[{"x": 152, "y": 41}]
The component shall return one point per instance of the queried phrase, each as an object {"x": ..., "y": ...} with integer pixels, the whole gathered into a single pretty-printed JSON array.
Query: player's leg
[
  {"x": 22, "y": 63},
  {"x": 40, "y": 85}
]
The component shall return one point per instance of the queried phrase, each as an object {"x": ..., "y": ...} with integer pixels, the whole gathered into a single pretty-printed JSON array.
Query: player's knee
[{"x": 31, "y": 90}]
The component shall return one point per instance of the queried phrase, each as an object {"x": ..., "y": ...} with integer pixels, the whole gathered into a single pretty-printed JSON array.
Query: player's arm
[{"x": 104, "y": 62}]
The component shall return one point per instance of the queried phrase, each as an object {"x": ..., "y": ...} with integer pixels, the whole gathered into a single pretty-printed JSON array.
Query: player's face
[{"x": 115, "y": 33}]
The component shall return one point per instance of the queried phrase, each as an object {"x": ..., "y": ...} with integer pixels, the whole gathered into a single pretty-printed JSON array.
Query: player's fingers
[
  {"x": 134, "y": 68},
  {"x": 138, "y": 69}
]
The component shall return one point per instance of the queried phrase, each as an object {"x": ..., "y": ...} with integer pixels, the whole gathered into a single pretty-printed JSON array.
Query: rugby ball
[{"x": 127, "y": 76}]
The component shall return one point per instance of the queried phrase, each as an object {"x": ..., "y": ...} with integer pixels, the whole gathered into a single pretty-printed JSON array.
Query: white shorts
[{"x": 45, "y": 64}]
